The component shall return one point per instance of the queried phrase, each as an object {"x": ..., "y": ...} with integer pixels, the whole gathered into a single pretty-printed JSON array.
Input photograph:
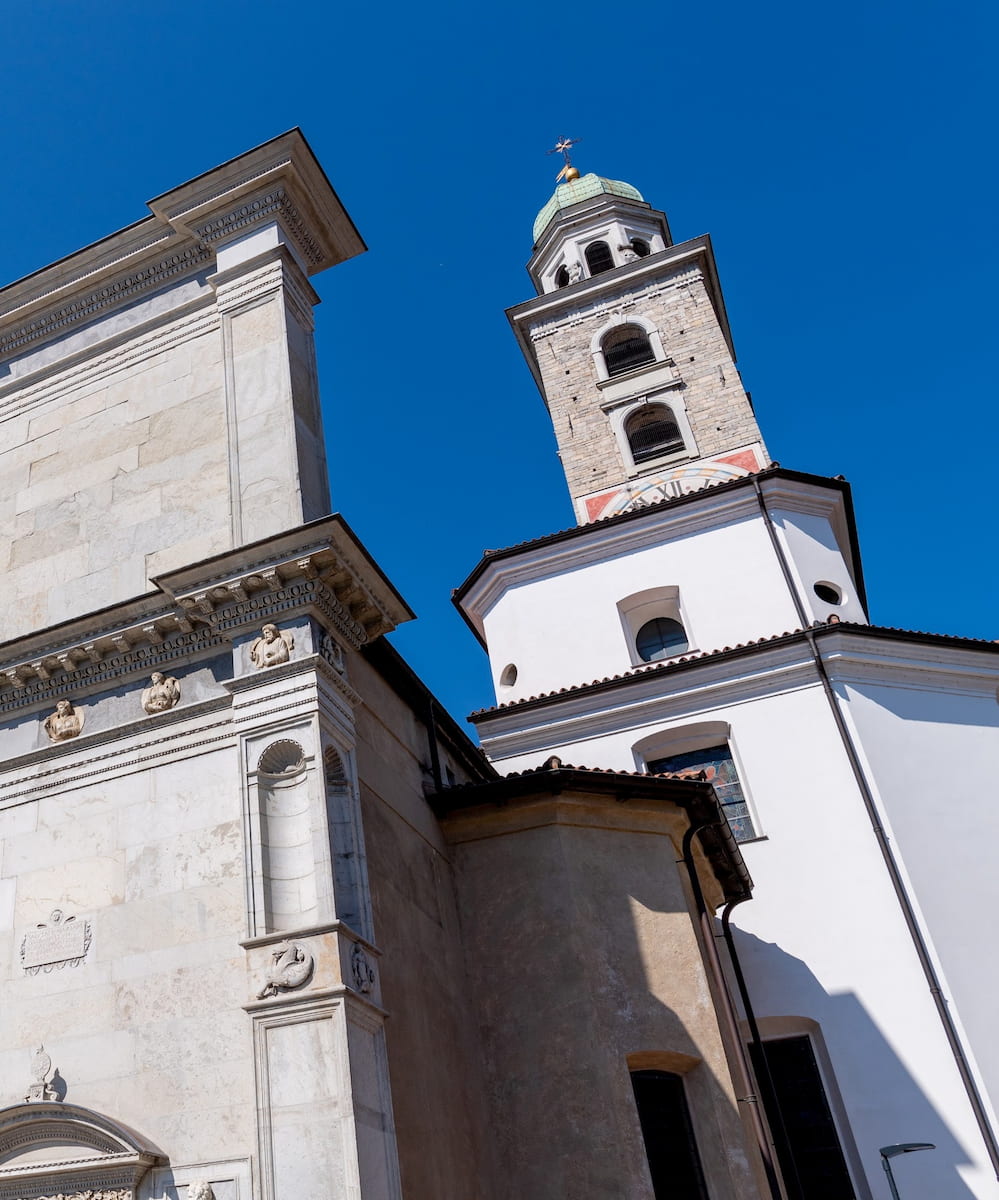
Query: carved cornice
[
  {"x": 125, "y": 287},
  {"x": 279, "y": 182},
  {"x": 319, "y": 576},
  {"x": 602, "y": 307},
  {"x": 320, "y": 573},
  {"x": 273, "y": 203},
  {"x": 106, "y": 659}
]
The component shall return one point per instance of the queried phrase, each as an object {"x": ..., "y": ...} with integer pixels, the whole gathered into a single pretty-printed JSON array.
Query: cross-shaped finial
[{"x": 563, "y": 146}]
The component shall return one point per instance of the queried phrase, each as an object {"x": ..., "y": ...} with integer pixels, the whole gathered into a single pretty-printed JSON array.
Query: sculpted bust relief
[
  {"x": 272, "y": 647},
  {"x": 163, "y": 693},
  {"x": 65, "y": 722}
]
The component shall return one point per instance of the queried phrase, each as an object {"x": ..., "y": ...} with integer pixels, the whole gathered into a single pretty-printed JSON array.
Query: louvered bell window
[
  {"x": 653, "y": 431},
  {"x": 599, "y": 258},
  {"x": 627, "y": 348}
]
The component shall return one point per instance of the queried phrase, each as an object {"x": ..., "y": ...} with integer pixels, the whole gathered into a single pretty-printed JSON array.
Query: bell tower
[{"x": 630, "y": 345}]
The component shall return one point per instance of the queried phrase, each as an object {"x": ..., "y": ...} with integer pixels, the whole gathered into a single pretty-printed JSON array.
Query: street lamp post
[{"x": 889, "y": 1152}]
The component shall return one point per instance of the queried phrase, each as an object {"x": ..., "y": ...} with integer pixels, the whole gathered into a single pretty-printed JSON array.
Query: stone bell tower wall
[
  {"x": 674, "y": 295},
  {"x": 158, "y": 394}
]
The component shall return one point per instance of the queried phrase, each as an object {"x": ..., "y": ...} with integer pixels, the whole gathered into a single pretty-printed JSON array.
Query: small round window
[
  {"x": 829, "y": 593},
  {"x": 662, "y": 637},
  {"x": 509, "y": 675}
]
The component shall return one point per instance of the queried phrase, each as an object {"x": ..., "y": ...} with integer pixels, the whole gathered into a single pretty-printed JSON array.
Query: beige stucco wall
[
  {"x": 581, "y": 954},
  {"x": 435, "y": 1059}
]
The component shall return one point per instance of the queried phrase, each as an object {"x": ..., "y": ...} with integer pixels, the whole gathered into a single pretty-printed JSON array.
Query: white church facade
[
  {"x": 706, "y": 920},
  {"x": 709, "y": 613}
]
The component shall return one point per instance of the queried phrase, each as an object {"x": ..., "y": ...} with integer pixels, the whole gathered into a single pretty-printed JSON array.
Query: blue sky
[{"x": 841, "y": 157}]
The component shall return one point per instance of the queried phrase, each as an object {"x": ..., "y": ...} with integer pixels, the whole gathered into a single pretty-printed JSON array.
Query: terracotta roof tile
[{"x": 702, "y": 656}]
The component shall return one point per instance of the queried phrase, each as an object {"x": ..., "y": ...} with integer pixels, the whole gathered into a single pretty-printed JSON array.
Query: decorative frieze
[
  {"x": 205, "y": 617},
  {"x": 608, "y": 306},
  {"x": 275, "y": 203},
  {"x": 96, "y": 670},
  {"x": 302, "y": 593},
  {"x": 89, "y": 1194},
  {"x": 111, "y": 294}
]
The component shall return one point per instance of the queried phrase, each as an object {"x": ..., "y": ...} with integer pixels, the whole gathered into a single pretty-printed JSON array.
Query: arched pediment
[{"x": 62, "y": 1150}]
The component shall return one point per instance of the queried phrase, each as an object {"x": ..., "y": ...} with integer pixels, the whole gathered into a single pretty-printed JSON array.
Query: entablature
[
  {"x": 279, "y": 183},
  {"x": 320, "y": 569}
]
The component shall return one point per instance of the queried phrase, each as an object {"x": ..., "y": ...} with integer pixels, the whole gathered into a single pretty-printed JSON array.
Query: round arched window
[
  {"x": 640, "y": 247},
  {"x": 662, "y": 637},
  {"x": 562, "y": 277},
  {"x": 652, "y": 430},
  {"x": 599, "y": 258},
  {"x": 626, "y": 348}
]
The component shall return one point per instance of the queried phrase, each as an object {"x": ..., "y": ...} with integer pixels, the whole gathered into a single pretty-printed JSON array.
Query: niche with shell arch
[{"x": 287, "y": 856}]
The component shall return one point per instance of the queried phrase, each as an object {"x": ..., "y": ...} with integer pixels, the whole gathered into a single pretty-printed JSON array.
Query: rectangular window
[
  {"x": 811, "y": 1158},
  {"x": 674, "y": 1163},
  {"x": 716, "y": 763}
]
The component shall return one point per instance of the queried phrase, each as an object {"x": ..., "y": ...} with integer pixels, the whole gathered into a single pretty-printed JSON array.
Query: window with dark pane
[
  {"x": 562, "y": 277},
  {"x": 674, "y": 1164},
  {"x": 652, "y": 430},
  {"x": 660, "y": 638},
  {"x": 599, "y": 258},
  {"x": 640, "y": 247},
  {"x": 716, "y": 763},
  {"x": 626, "y": 348},
  {"x": 811, "y": 1157}
]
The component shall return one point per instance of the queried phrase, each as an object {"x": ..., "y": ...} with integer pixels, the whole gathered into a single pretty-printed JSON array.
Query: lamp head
[{"x": 904, "y": 1148}]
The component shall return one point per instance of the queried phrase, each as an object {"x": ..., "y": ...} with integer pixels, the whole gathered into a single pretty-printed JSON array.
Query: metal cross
[{"x": 563, "y": 146}]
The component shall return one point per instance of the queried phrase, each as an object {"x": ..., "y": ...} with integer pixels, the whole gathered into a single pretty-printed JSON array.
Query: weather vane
[{"x": 563, "y": 146}]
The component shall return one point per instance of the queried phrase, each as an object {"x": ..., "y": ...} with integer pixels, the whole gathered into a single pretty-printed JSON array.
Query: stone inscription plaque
[{"x": 59, "y": 942}]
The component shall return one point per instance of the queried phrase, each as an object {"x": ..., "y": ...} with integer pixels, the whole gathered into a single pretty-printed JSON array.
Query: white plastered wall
[
  {"x": 823, "y": 939},
  {"x": 565, "y": 628}
]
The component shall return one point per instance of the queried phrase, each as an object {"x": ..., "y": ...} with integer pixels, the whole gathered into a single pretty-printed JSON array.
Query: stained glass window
[{"x": 716, "y": 762}]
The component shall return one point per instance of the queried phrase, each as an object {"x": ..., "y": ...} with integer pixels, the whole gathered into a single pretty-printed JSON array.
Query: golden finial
[{"x": 568, "y": 172}]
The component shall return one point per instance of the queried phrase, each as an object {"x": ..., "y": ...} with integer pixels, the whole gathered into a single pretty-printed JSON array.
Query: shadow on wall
[{"x": 863, "y": 1075}]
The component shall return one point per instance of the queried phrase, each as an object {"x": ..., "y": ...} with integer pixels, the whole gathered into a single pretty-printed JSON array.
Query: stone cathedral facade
[{"x": 272, "y": 928}]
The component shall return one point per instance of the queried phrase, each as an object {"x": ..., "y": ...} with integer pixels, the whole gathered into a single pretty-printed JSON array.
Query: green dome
[{"x": 581, "y": 189}]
